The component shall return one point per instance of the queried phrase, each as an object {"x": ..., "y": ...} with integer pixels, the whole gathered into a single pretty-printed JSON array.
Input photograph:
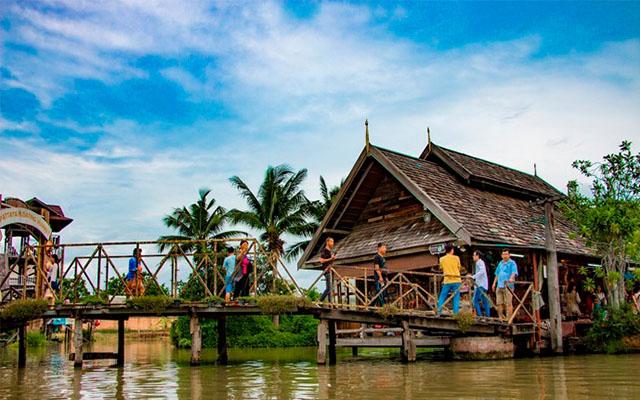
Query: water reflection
[{"x": 155, "y": 370}]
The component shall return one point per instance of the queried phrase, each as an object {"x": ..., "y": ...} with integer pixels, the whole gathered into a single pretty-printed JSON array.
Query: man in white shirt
[{"x": 480, "y": 297}]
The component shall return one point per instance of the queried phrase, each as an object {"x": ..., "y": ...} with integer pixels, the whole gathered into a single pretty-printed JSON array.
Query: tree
[
  {"x": 317, "y": 211},
  {"x": 202, "y": 220},
  {"x": 280, "y": 207},
  {"x": 609, "y": 218}
]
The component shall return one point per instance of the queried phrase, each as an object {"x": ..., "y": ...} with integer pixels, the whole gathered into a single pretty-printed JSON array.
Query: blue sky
[{"x": 121, "y": 111}]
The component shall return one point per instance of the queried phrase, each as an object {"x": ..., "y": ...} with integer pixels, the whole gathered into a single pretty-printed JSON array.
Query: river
[{"x": 154, "y": 369}]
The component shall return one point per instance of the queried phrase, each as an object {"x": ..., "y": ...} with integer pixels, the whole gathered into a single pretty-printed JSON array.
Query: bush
[
  {"x": 95, "y": 300},
  {"x": 388, "y": 310},
  {"x": 281, "y": 304},
  {"x": 610, "y": 327},
  {"x": 465, "y": 320},
  {"x": 156, "y": 304},
  {"x": 24, "y": 309},
  {"x": 35, "y": 339}
]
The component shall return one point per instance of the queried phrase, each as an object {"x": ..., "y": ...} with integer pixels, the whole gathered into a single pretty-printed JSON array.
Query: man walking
[
  {"x": 380, "y": 273},
  {"x": 229, "y": 265},
  {"x": 506, "y": 273},
  {"x": 326, "y": 259},
  {"x": 481, "y": 279},
  {"x": 450, "y": 265}
]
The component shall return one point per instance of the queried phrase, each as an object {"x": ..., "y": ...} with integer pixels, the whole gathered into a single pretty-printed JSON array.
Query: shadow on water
[{"x": 154, "y": 369}]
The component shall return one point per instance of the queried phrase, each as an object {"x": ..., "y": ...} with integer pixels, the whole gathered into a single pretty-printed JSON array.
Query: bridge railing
[
  {"x": 412, "y": 290},
  {"x": 170, "y": 268}
]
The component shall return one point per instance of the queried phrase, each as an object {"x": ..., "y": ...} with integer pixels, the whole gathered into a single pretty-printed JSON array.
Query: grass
[
  {"x": 155, "y": 304},
  {"x": 281, "y": 304},
  {"x": 388, "y": 310}
]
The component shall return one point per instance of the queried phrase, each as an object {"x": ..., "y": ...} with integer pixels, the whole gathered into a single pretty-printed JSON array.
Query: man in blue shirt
[
  {"x": 506, "y": 273},
  {"x": 134, "y": 276},
  {"x": 229, "y": 265}
]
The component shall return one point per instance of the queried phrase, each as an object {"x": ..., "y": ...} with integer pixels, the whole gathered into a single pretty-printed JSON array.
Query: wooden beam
[
  {"x": 120, "y": 361},
  {"x": 78, "y": 343},
  {"x": 553, "y": 288},
  {"x": 408, "y": 351},
  {"x": 336, "y": 231},
  {"x": 392, "y": 341},
  {"x": 332, "y": 342},
  {"x": 22, "y": 346},
  {"x": 223, "y": 356},
  {"x": 196, "y": 339},
  {"x": 321, "y": 356}
]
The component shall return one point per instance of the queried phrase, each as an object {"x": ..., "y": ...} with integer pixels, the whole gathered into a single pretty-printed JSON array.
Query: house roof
[
  {"x": 471, "y": 205},
  {"x": 57, "y": 219},
  {"x": 483, "y": 173}
]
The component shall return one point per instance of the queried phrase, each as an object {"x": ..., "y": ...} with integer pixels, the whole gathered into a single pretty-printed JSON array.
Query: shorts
[{"x": 504, "y": 297}]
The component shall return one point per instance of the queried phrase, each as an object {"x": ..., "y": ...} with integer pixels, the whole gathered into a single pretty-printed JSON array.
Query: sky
[{"x": 120, "y": 111}]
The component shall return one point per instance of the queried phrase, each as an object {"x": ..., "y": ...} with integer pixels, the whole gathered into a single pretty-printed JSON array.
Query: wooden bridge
[{"x": 188, "y": 277}]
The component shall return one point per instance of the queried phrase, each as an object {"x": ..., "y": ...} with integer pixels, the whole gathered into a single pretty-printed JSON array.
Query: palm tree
[
  {"x": 317, "y": 210},
  {"x": 280, "y": 206},
  {"x": 201, "y": 220}
]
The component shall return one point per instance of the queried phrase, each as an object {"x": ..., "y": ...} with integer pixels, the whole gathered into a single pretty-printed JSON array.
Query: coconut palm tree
[
  {"x": 278, "y": 208},
  {"x": 201, "y": 220},
  {"x": 317, "y": 210}
]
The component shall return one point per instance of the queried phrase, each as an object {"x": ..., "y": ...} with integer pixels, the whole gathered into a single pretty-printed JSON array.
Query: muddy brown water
[{"x": 154, "y": 369}]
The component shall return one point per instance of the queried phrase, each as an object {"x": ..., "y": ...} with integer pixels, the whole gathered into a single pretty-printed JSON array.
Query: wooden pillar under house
[
  {"x": 408, "y": 343},
  {"x": 78, "y": 342},
  {"x": 332, "y": 342},
  {"x": 223, "y": 356},
  {"x": 22, "y": 346},
  {"x": 196, "y": 339},
  {"x": 321, "y": 357},
  {"x": 553, "y": 288},
  {"x": 120, "y": 360}
]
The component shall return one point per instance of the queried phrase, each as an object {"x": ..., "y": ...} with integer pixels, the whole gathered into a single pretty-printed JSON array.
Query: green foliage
[
  {"x": 24, "y": 309},
  {"x": 610, "y": 327},
  {"x": 95, "y": 300},
  {"x": 609, "y": 218},
  {"x": 155, "y": 304},
  {"x": 252, "y": 331},
  {"x": 281, "y": 304},
  {"x": 68, "y": 289},
  {"x": 35, "y": 339},
  {"x": 464, "y": 320},
  {"x": 214, "y": 300}
]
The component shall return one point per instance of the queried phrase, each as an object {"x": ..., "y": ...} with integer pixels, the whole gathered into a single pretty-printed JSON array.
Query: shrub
[
  {"x": 156, "y": 304},
  {"x": 95, "y": 300},
  {"x": 465, "y": 320},
  {"x": 24, "y": 309},
  {"x": 610, "y": 327},
  {"x": 35, "y": 339},
  {"x": 281, "y": 304},
  {"x": 388, "y": 310}
]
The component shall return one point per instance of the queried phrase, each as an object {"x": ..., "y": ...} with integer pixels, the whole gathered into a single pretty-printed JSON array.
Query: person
[
  {"x": 636, "y": 298},
  {"x": 49, "y": 267},
  {"x": 380, "y": 273},
  {"x": 450, "y": 265},
  {"x": 135, "y": 287},
  {"x": 572, "y": 298},
  {"x": 244, "y": 263},
  {"x": 481, "y": 279},
  {"x": 506, "y": 273},
  {"x": 601, "y": 302},
  {"x": 326, "y": 259},
  {"x": 229, "y": 265}
]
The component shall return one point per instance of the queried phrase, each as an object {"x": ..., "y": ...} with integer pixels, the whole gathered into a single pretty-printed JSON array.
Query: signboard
[
  {"x": 14, "y": 215},
  {"x": 436, "y": 249}
]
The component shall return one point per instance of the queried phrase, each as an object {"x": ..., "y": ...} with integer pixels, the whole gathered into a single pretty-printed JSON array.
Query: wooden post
[
  {"x": 536, "y": 287},
  {"x": 408, "y": 343},
  {"x": 552, "y": 279},
  {"x": 120, "y": 362},
  {"x": 215, "y": 268},
  {"x": 22, "y": 346},
  {"x": 223, "y": 356},
  {"x": 354, "y": 351},
  {"x": 332, "y": 342},
  {"x": 99, "y": 270},
  {"x": 322, "y": 342},
  {"x": 78, "y": 344},
  {"x": 196, "y": 339}
]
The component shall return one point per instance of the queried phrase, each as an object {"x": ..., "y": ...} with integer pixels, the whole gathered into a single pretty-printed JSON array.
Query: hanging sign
[{"x": 15, "y": 215}]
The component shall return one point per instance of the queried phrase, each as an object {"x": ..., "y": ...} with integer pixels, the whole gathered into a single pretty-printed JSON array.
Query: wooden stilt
[
  {"x": 120, "y": 362},
  {"x": 332, "y": 342},
  {"x": 196, "y": 339},
  {"x": 354, "y": 351},
  {"x": 22, "y": 346},
  {"x": 553, "y": 288},
  {"x": 223, "y": 356},
  {"x": 78, "y": 343},
  {"x": 408, "y": 343},
  {"x": 322, "y": 342}
]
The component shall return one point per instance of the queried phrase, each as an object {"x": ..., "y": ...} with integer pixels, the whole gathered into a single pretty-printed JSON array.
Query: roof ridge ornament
[
  {"x": 366, "y": 135},
  {"x": 428, "y": 143}
]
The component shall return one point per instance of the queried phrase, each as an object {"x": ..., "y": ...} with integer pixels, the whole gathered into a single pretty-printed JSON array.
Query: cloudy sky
[{"x": 120, "y": 110}]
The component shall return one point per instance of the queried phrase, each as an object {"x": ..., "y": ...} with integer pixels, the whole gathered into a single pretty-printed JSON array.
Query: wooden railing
[{"x": 107, "y": 262}]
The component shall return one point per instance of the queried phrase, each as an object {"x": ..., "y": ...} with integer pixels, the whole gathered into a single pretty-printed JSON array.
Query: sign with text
[{"x": 14, "y": 215}]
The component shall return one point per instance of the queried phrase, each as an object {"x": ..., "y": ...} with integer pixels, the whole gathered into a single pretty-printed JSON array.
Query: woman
[
  {"x": 242, "y": 280},
  {"x": 49, "y": 267},
  {"x": 572, "y": 299}
]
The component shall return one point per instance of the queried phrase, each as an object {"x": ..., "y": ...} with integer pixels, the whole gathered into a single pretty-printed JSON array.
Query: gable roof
[
  {"x": 469, "y": 212},
  {"x": 483, "y": 173}
]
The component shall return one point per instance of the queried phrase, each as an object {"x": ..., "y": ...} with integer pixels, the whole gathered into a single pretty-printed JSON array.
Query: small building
[{"x": 415, "y": 205}]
